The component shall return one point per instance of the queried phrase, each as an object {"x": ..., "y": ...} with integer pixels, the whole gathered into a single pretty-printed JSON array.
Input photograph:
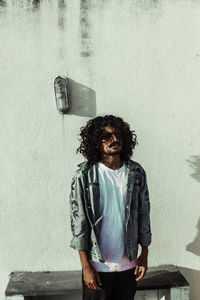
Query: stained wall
[{"x": 141, "y": 59}]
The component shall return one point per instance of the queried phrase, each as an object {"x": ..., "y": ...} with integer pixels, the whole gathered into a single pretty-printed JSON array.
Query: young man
[{"x": 110, "y": 210}]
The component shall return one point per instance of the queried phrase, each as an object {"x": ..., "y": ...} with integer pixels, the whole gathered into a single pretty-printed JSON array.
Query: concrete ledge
[
  {"x": 68, "y": 282},
  {"x": 43, "y": 283},
  {"x": 162, "y": 277}
]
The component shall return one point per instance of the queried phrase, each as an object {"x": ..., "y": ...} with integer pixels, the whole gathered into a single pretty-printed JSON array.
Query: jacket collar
[{"x": 86, "y": 165}]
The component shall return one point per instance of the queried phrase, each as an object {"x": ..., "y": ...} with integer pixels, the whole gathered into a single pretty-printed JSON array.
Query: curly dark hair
[{"x": 91, "y": 137}]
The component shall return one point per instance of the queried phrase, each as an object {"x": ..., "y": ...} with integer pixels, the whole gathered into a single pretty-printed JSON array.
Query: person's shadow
[
  {"x": 194, "y": 163},
  {"x": 194, "y": 246}
]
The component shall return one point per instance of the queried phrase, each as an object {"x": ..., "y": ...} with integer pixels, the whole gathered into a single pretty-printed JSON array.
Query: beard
[
  {"x": 114, "y": 152},
  {"x": 110, "y": 151}
]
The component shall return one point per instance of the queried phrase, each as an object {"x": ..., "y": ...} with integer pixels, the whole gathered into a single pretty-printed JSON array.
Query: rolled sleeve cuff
[
  {"x": 79, "y": 243},
  {"x": 145, "y": 239}
]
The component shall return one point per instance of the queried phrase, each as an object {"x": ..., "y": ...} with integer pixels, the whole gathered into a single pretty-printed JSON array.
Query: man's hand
[
  {"x": 141, "y": 262},
  {"x": 91, "y": 278},
  {"x": 90, "y": 275}
]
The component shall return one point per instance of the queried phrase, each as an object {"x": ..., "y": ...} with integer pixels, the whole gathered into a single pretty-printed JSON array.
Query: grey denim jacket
[{"x": 86, "y": 217}]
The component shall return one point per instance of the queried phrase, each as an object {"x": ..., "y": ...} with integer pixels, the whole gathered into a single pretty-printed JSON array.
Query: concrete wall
[{"x": 142, "y": 59}]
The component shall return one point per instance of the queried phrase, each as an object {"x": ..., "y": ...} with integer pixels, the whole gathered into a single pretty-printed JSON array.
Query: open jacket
[{"x": 86, "y": 218}]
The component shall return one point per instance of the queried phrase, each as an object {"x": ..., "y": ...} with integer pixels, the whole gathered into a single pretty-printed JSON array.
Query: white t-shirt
[{"x": 113, "y": 190}]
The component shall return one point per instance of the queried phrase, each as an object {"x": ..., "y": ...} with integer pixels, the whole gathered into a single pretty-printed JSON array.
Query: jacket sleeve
[
  {"x": 79, "y": 221},
  {"x": 144, "y": 227}
]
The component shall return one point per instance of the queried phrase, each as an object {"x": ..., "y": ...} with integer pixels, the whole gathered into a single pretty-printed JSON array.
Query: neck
[{"x": 112, "y": 161}]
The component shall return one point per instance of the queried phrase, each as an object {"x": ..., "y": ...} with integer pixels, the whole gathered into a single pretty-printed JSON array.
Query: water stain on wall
[
  {"x": 36, "y": 4},
  {"x": 85, "y": 10},
  {"x": 145, "y": 4},
  {"x": 3, "y": 3},
  {"x": 150, "y": 9},
  {"x": 62, "y": 5},
  {"x": 62, "y": 23}
]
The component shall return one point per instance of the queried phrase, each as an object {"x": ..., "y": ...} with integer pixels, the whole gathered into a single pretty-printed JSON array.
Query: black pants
[{"x": 115, "y": 286}]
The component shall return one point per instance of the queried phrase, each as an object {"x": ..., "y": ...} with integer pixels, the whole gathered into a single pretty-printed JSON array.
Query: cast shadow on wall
[
  {"x": 194, "y": 246},
  {"x": 83, "y": 100},
  {"x": 194, "y": 163},
  {"x": 74, "y": 98}
]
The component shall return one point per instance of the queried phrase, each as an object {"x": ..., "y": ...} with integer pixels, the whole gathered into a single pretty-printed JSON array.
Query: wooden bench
[{"x": 160, "y": 283}]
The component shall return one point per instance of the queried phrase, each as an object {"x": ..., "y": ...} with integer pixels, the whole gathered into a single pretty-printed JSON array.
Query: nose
[{"x": 114, "y": 137}]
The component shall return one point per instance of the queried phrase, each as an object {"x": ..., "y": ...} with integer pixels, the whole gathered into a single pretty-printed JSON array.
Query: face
[{"x": 111, "y": 141}]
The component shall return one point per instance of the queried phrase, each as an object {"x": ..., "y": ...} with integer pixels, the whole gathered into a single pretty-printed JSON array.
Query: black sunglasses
[{"x": 107, "y": 135}]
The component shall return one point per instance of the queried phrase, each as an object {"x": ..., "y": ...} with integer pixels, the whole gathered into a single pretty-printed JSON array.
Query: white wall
[{"x": 144, "y": 65}]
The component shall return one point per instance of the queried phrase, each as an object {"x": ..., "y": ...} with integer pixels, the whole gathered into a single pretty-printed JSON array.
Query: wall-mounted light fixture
[{"x": 62, "y": 93}]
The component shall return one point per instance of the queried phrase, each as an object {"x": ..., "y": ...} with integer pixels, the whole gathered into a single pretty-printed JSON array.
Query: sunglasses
[{"x": 107, "y": 135}]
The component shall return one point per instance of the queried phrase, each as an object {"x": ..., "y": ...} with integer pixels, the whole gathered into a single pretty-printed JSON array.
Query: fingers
[
  {"x": 93, "y": 286},
  {"x": 142, "y": 274},
  {"x": 94, "y": 283},
  {"x": 98, "y": 280},
  {"x": 137, "y": 270}
]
